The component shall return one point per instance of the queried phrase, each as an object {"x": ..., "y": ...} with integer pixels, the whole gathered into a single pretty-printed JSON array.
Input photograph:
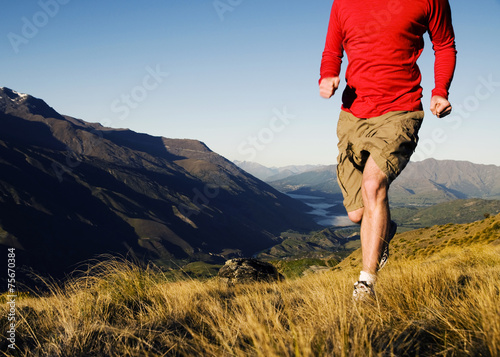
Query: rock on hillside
[{"x": 246, "y": 270}]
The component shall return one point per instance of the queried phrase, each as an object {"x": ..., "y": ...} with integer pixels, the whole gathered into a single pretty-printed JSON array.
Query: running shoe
[{"x": 363, "y": 291}]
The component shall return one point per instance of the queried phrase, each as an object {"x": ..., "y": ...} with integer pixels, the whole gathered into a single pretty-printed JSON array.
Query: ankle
[{"x": 369, "y": 278}]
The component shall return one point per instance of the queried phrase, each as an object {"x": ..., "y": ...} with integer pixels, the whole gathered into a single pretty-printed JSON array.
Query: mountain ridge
[
  {"x": 273, "y": 173},
  {"x": 86, "y": 190},
  {"x": 421, "y": 183}
]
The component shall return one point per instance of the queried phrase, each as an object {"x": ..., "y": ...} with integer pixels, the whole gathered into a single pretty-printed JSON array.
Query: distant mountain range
[
  {"x": 70, "y": 190},
  {"x": 422, "y": 183},
  {"x": 273, "y": 173}
]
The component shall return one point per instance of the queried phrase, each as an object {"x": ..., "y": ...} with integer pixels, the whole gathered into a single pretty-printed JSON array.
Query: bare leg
[{"x": 375, "y": 217}]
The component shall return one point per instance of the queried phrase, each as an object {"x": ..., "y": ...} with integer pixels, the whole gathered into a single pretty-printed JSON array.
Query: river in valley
[{"x": 327, "y": 211}]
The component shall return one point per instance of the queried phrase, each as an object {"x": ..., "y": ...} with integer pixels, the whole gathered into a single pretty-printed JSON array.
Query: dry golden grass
[{"x": 447, "y": 304}]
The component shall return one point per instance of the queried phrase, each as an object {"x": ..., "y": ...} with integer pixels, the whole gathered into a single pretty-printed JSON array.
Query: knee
[
  {"x": 356, "y": 216},
  {"x": 375, "y": 189}
]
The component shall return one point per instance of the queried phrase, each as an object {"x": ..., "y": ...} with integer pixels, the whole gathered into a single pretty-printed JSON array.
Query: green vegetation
[
  {"x": 457, "y": 211},
  {"x": 195, "y": 270},
  {"x": 315, "y": 245},
  {"x": 293, "y": 269}
]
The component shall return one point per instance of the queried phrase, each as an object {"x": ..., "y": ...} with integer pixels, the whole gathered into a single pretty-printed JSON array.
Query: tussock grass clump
[{"x": 444, "y": 304}]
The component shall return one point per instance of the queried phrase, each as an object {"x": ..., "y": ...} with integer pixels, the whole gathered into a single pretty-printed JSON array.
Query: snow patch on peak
[
  {"x": 20, "y": 95},
  {"x": 14, "y": 91},
  {"x": 13, "y": 95}
]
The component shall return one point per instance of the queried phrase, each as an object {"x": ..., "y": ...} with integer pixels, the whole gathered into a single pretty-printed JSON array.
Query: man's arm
[
  {"x": 443, "y": 40},
  {"x": 332, "y": 56}
]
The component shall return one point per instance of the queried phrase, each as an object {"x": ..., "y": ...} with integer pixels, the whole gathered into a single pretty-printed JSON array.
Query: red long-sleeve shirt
[{"x": 383, "y": 40}]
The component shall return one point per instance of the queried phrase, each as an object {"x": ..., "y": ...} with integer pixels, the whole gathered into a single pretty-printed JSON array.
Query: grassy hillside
[
  {"x": 425, "y": 242},
  {"x": 438, "y": 296}
]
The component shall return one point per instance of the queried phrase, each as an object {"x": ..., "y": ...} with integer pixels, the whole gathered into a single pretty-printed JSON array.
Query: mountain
[
  {"x": 273, "y": 173},
  {"x": 70, "y": 190},
  {"x": 318, "y": 182},
  {"x": 422, "y": 183},
  {"x": 435, "y": 181}
]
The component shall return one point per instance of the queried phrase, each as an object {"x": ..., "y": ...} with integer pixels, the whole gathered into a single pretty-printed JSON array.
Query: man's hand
[
  {"x": 328, "y": 86},
  {"x": 440, "y": 106}
]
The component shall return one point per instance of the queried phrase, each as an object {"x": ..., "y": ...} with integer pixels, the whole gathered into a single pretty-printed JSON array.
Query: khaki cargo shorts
[{"x": 390, "y": 139}]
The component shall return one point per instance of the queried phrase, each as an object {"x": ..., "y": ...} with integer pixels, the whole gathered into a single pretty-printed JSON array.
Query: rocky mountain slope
[{"x": 70, "y": 190}]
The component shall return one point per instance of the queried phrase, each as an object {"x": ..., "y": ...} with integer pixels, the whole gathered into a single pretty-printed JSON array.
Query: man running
[{"x": 381, "y": 105}]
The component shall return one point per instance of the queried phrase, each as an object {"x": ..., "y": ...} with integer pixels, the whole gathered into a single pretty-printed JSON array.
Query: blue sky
[{"x": 239, "y": 75}]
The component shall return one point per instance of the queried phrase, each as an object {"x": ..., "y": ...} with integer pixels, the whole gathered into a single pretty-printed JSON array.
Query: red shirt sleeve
[
  {"x": 443, "y": 41},
  {"x": 334, "y": 51}
]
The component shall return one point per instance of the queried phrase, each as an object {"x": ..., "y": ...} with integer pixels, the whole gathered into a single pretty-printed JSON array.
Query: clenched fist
[
  {"x": 440, "y": 106},
  {"x": 328, "y": 86}
]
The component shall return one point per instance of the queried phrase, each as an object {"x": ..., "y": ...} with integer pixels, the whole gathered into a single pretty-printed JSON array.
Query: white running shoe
[{"x": 363, "y": 291}]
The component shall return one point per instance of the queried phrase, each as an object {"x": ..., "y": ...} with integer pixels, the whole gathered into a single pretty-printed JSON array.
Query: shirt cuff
[{"x": 440, "y": 92}]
